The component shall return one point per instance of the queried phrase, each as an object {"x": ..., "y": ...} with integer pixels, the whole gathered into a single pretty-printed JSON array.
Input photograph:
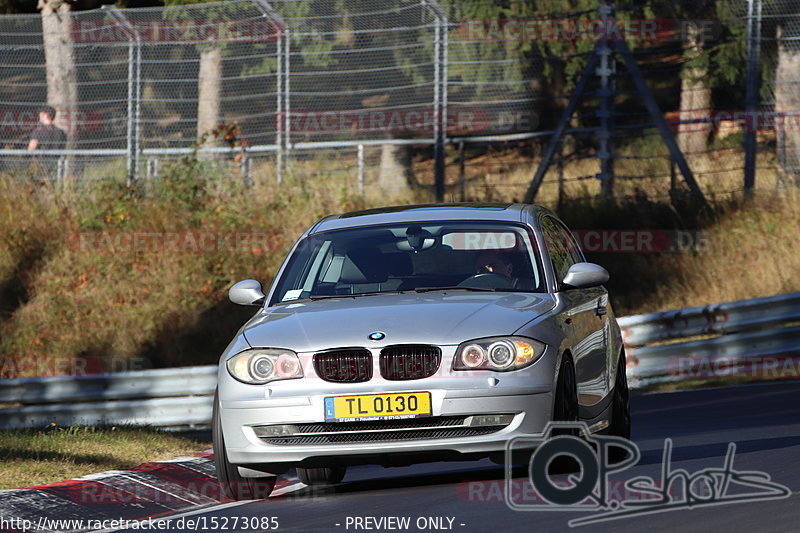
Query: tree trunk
[
  {"x": 62, "y": 82},
  {"x": 396, "y": 174},
  {"x": 787, "y": 100},
  {"x": 695, "y": 94},
  {"x": 209, "y": 89}
]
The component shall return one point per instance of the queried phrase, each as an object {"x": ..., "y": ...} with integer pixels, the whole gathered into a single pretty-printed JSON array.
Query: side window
[
  {"x": 572, "y": 245},
  {"x": 564, "y": 250}
]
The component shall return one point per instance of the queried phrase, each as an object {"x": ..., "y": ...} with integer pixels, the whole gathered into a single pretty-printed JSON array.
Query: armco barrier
[
  {"x": 749, "y": 338},
  {"x": 169, "y": 398},
  {"x": 757, "y": 338}
]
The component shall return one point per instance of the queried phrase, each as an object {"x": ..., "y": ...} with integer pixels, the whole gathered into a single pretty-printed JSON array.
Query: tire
[
  {"x": 321, "y": 476},
  {"x": 565, "y": 406},
  {"x": 565, "y": 409},
  {"x": 233, "y": 484},
  {"x": 620, "y": 409}
]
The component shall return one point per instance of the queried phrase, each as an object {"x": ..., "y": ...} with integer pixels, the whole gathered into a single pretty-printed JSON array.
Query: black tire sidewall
[{"x": 620, "y": 412}]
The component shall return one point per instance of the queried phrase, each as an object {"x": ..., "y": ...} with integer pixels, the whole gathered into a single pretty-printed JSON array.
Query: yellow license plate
[{"x": 377, "y": 406}]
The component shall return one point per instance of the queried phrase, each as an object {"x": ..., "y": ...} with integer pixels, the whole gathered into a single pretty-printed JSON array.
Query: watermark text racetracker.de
[
  {"x": 591, "y": 488},
  {"x": 585, "y": 29},
  {"x": 197, "y": 241},
  {"x": 733, "y": 367}
]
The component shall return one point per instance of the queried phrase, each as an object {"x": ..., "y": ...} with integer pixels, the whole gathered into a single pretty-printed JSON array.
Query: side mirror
[
  {"x": 585, "y": 276},
  {"x": 247, "y": 292}
]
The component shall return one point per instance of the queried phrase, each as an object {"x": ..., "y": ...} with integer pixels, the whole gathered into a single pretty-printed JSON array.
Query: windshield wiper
[
  {"x": 419, "y": 289},
  {"x": 456, "y": 288},
  {"x": 354, "y": 295}
]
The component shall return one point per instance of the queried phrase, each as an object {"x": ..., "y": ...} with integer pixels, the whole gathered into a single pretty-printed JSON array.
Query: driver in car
[{"x": 494, "y": 263}]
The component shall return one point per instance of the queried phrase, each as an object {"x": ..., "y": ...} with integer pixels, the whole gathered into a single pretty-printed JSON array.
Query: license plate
[{"x": 377, "y": 406}]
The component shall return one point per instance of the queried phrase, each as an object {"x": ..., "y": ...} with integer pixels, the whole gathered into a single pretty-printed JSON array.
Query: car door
[{"x": 585, "y": 320}]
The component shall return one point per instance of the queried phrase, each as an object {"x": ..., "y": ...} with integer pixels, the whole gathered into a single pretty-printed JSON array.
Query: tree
[
  {"x": 62, "y": 83},
  {"x": 209, "y": 90},
  {"x": 787, "y": 100},
  {"x": 209, "y": 78},
  {"x": 695, "y": 102},
  {"x": 713, "y": 40}
]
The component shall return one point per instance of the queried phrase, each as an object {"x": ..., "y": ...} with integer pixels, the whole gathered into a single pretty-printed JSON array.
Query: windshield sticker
[{"x": 293, "y": 294}]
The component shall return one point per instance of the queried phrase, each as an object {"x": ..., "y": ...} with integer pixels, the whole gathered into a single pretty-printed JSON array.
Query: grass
[{"x": 38, "y": 457}]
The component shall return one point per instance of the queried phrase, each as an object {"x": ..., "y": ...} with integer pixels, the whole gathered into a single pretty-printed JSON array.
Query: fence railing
[
  {"x": 172, "y": 397},
  {"x": 302, "y": 78},
  {"x": 751, "y": 339}
]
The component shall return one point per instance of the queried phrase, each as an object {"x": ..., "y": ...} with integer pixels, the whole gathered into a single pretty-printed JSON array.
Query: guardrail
[
  {"x": 749, "y": 338},
  {"x": 168, "y": 398},
  {"x": 757, "y": 338}
]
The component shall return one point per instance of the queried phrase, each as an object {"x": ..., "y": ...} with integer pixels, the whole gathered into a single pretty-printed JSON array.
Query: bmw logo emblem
[{"x": 377, "y": 336}]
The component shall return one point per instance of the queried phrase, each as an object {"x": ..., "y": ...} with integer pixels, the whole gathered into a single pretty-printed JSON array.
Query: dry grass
[
  {"x": 153, "y": 308},
  {"x": 37, "y": 457},
  {"x": 752, "y": 251},
  {"x": 506, "y": 175}
]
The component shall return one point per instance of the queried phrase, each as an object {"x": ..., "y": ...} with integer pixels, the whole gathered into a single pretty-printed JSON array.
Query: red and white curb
[{"x": 155, "y": 489}]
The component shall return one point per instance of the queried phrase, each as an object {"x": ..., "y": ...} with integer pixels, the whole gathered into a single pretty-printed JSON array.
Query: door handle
[{"x": 601, "y": 310}]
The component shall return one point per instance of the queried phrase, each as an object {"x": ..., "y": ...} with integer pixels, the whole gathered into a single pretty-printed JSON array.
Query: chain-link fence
[
  {"x": 775, "y": 44},
  {"x": 383, "y": 94}
]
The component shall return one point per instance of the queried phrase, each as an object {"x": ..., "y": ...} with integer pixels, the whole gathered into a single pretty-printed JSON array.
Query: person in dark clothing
[{"x": 47, "y": 136}]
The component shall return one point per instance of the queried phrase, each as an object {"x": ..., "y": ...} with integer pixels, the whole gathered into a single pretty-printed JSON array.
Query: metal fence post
[
  {"x": 560, "y": 172},
  {"x": 361, "y": 169},
  {"x": 751, "y": 90},
  {"x": 439, "y": 97},
  {"x": 278, "y": 112},
  {"x": 443, "y": 88},
  {"x": 438, "y": 149},
  {"x": 462, "y": 174},
  {"x": 133, "y": 138},
  {"x": 605, "y": 72},
  {"x": 269, "y": 12},
  {"x": 287, "y": 132},
  {"x": 137, "y": 142}
]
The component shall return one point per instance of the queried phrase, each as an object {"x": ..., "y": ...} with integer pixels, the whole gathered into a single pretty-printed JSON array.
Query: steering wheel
[{"x": 488, "y": 280}]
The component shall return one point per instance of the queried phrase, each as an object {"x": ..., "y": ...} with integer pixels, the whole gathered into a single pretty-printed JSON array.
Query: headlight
[
  {"x": 262, "y": 365},
  {"x": 498, "y": 353}
]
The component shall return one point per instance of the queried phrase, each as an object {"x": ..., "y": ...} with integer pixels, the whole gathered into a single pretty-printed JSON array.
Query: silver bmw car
[{"x": 416, "y": 333}]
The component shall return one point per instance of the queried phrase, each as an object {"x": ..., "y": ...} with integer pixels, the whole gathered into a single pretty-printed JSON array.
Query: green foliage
[
  {"x": 215, "y": 12},
  {"x": 186, "y": 182},
  {"x": 318, "y": 39},
  {"x": 486, "y": 58}
]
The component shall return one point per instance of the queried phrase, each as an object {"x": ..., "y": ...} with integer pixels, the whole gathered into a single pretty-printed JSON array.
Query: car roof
[{"x": 425, "y": 213}]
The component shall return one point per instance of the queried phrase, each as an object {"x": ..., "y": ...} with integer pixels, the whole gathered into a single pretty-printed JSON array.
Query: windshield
[{"x": 469, "y": 256}]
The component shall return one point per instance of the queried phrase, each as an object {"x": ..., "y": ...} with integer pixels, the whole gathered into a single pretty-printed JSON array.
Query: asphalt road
[{"x": 761, "y": 419}]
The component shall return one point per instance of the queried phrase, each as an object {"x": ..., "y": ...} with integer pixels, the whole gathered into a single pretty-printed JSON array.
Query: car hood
[{"x": 429, "y": 318}]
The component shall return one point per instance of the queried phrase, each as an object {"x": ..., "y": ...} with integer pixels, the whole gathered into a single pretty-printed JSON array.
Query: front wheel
[
  {"x": 620, "y": 409},
  {"x": 565, "y": 409},
  {"x": 234, "y": 485}
]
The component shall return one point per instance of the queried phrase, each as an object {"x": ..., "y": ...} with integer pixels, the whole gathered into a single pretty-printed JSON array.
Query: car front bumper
[{"x": 531, "y": 410}]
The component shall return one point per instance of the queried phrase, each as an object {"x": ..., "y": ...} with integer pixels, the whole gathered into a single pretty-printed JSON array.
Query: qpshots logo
[{"x": 590, "y": 487}]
